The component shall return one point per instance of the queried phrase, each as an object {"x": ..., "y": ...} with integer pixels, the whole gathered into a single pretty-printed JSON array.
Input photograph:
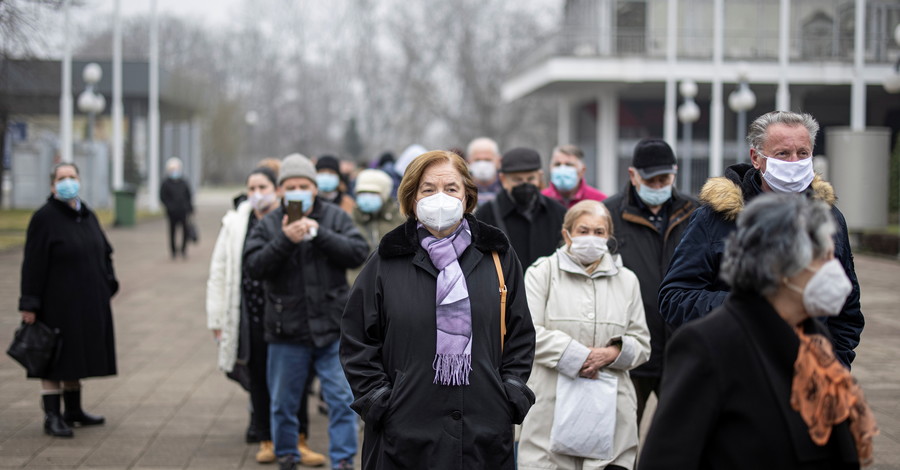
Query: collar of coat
[
  {"x": 404, "y": 240},
  {"x": 728, "y": 194}
]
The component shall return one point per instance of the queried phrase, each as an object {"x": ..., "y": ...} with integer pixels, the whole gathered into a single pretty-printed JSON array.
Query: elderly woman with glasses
[{"x": 755, "y": 384}]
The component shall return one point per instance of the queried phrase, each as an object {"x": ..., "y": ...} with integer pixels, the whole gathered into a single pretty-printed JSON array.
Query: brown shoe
[
  {"x": 308, "y": 457},
  {"x": 266, "y": 453}
]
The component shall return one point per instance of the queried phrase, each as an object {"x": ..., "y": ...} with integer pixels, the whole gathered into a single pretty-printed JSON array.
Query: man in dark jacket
[
  {"x": 649, "y": 217},
  {"x": 175, "y": 195},
  {"x": 531, "y": 221},
  {"x": 781, "y": 149},
  {"x": 304, "y": 264}
]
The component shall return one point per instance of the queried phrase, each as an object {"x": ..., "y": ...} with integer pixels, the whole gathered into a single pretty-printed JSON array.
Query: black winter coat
[
  {"x": 68, "y": 280},
  {"x": 175, "y": 195},
  {"x": 692, "y": 287},
  {"x": 388, "y": 345},
  {"x": 531, "y": 239},
  {"x": 727, "y": 397},
  {"x": 647, "y": 252},
  {"x": 306, "y": 282}
]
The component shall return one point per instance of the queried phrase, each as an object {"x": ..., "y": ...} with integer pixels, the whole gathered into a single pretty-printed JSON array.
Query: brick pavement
[{"x": 170, "y": 407}]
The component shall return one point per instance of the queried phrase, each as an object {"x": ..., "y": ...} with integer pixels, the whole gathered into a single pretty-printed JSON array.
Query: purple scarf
[{"x": 453, "y": 352}]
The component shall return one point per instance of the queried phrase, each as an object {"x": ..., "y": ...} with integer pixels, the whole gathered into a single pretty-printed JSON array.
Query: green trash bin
[{"x": 125, "y": 207}]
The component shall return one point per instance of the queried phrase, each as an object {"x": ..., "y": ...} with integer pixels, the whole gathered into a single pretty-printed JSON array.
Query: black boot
[
  {"x": 74, "y": 414},
  {"x": 53, "y": 420}
]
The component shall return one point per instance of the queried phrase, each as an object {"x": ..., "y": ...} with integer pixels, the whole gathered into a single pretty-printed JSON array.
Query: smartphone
[{"x": 294, "y": 210}]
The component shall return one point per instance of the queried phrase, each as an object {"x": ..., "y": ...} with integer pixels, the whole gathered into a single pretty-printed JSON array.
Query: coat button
[{"x": 456, "y": 415}]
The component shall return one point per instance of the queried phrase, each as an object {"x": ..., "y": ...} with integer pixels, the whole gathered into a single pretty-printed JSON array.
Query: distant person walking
[
  {"x": 175, "y": 195},
  {"x": 67, "y": 283}
]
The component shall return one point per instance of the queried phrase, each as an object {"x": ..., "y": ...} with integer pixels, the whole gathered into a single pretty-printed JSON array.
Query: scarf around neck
[
  {"x": 453, "y": 312},
  {"x": 825, "y": 394}
]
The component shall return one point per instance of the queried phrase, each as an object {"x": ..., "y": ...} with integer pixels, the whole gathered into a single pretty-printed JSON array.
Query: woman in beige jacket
[{"x": 589, "y": 320}]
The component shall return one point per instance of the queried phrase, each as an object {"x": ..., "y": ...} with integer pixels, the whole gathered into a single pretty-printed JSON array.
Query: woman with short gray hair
[{"x": 755, "y": 384}]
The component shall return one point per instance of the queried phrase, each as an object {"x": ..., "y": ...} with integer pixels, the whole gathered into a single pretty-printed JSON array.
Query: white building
[{"x": 615, "y": 66}]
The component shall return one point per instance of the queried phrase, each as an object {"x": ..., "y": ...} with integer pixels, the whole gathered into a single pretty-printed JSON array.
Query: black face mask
[{"x": 524, "y": 194}]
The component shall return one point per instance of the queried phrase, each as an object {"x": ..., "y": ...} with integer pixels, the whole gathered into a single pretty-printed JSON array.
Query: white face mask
[
  {"x": 788, "y": 177},
  {"x": 588, "y": 248},
  {"x": 483, "y": 170},
  {"x": 260, "y": 201},
  {"x": 826, "y": 291},
  {"x": 439, "y": 211}
]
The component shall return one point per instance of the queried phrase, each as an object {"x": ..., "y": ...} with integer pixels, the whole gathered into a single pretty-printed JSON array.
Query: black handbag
[
  {"x": 35, "y": 346},
  {"x": 190, "y": 229}
]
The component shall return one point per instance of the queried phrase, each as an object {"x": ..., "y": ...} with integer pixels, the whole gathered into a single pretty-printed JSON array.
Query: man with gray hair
[
  {"x": 567, "y": 184},
  {"x": 483, "y": 156},
  {"x": 175, "y": 194},
  {"x": 781, "y": 150}
]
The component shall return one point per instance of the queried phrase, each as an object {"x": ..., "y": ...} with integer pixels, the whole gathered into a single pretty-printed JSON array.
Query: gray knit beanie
[{"x": 296, "y": 166}]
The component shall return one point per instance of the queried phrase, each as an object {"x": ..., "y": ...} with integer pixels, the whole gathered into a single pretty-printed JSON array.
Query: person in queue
[
  {"x": 520, "y": 211},
  {"x": 376, "y": 213},
  {"x": 304, "y": 265},
  {"x": 235, "y": 309},
  {"x": 567, "y": 184},
  {"x": 650, "y": 216},
  {"x": 589, "y": 319},
  {"x": 781, "y": 150},
  {"x": 436, "y": 381},
  {"x": 483, "y": 156},
  {"x": 330, "y": 182},
  {"x": 175, "y": 195},
  {"x": 756, "y": 384},
  {"x": 67, "y": 283}
]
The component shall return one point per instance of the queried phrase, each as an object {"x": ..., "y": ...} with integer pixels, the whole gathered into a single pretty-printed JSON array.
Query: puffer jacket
[
  {"x": 692, "y": 287},
  {"x": 572, "y": 312},
  {"x": 223, "y": 288},
  {"x": 306, "y": 282}
]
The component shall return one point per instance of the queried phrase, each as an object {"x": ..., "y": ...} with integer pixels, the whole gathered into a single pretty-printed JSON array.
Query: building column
[
  {"x": 196, "y": 151},
  {"x": 858, "y": 87},
  {"x": 670, "y": 122},
  {"x": 783, "y": 94},
  {"x": 607, "y": 140},
  {"x": 716, "y": 108},
  {"x": 563, "y": 121}
]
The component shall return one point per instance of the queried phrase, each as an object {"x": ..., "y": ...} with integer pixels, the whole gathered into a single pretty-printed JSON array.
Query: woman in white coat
[
  {"x": 590, "y": 326},
  {"x": 235, "y": 302}
]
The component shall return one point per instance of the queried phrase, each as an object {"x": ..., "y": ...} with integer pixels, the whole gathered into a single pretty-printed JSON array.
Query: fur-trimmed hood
[
  {"x": 728, "y": 194},
  {"x": 404, "y": 240}
]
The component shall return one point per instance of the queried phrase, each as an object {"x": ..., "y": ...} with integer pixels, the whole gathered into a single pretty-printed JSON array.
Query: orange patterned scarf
[{"x": 825, "y": 394}]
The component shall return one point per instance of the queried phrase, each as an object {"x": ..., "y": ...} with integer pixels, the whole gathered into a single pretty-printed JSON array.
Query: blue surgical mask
[
  {"x": 67, "y": 189},
  {"x": 327, "y": 182},
  {"x": 306, "y": 197},
  {"x": 655, "y": 197},
  {"x": 175, "y": 174},
  {"x": 368, "y": 203},
  {"x": 564, "y": 177}
]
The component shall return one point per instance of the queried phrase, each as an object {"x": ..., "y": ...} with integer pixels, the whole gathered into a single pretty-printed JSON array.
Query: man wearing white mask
[
  {"x": 567, "y": 184},
  {"x": 781, "y": 150},
  {"x": 650, "y": 216},
  {"x": 483, "y": 156}
]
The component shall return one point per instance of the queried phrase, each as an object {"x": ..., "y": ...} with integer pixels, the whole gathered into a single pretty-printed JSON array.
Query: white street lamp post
[
  {"x": 892, "y": 85},
  {"x": 688, "y": 113},
  {"x": 89, "y": 101},
  {"x": 740, "y": 101}
]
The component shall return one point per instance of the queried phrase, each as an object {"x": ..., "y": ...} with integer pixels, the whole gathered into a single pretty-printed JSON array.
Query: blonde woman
[{"x": 590, "y": 331}]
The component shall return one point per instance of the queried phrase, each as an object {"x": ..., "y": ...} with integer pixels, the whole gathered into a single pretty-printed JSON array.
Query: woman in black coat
[
  {"x": 67, "y": 283},
  {"x": 755, "y": 384},
  {"x": 437, "y": 385}
]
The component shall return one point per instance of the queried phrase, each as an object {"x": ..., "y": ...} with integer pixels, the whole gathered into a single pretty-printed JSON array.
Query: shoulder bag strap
[{"x": 502, "y": 298}]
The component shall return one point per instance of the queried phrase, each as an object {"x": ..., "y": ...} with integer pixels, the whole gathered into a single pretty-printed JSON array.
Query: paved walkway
[{"x": 170, "y": 407}]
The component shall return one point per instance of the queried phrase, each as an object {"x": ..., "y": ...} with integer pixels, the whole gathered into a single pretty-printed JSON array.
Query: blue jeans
[{"x": 287, "y": 370}]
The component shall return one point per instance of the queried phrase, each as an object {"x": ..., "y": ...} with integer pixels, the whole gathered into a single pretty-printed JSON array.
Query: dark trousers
[
  {"x": 642, "y": 388},
  {"x": 259, "y": 389},
  {"x": 174, "y": 222}
]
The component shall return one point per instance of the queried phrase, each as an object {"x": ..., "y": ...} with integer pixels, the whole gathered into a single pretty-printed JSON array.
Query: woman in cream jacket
[
  {"x": 235, "y": 302},
  {"x": 589, "y": 320}
]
